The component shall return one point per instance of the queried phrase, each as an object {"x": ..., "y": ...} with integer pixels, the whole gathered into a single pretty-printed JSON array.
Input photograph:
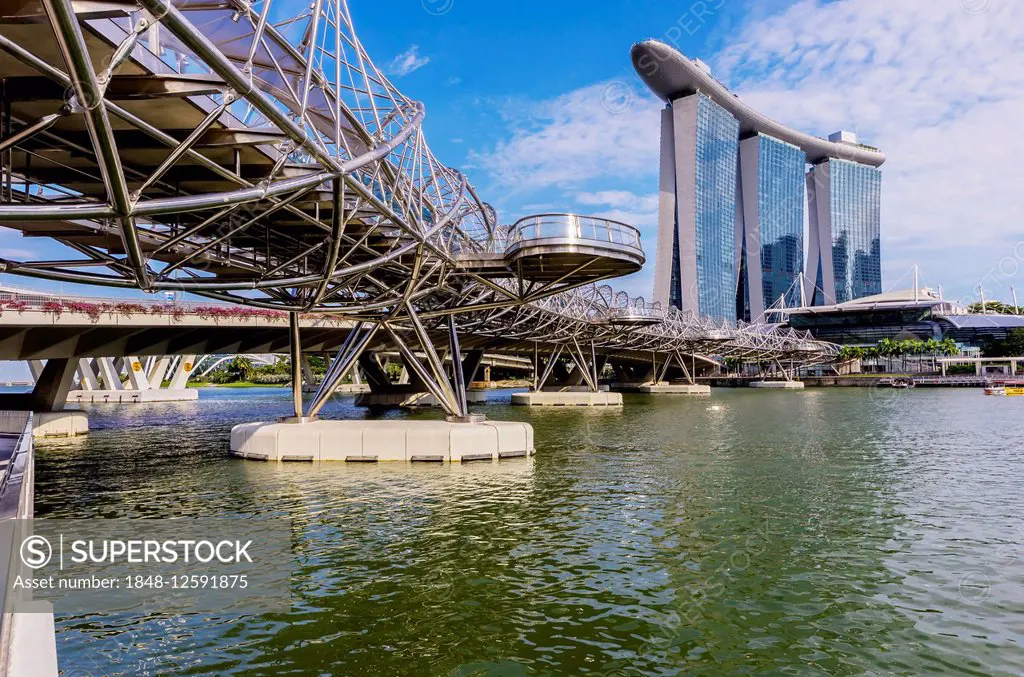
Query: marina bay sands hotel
[{"x": 734, "y": 191}]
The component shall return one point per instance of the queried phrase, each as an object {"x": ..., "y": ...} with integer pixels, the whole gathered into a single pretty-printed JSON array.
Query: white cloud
[
  {"x": 575, "y": 138},
  {"x": 453, "y": 81},
  {"x": 620, "y": 198},
  {"x": 408, "y": 61},
  {"x": 938, "y": 88},
  {"x": 16, "y": 253}
]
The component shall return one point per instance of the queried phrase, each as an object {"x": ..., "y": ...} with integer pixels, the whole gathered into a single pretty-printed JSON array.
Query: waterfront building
[
  {"x": 696, "y": 237},
  {"x": 770, "y": 224},
  {"x": 709, "y": 135},
  {"x": 844, "y": 262},
  {"x": 902, "y": 314}
]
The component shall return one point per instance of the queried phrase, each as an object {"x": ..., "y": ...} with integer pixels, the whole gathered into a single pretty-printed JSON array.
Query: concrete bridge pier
[
  {"x": 572, "y": 382},
  {"x": 54, "y": 380},
  {"x": 461, "y": 438},
  {"x": 100, "y": 380}
]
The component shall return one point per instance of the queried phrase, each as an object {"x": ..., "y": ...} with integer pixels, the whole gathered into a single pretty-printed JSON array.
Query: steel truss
[{"x": 203, "y": 146}]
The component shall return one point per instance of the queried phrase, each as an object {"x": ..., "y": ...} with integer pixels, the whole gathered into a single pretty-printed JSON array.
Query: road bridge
[{"x": 101, "y": 341}]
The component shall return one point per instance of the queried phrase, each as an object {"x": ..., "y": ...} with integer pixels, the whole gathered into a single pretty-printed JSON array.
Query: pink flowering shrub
[{"x": 94, "y": 310}]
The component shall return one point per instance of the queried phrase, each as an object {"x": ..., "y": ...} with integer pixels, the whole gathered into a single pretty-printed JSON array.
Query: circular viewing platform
[
  {"x": 572, "y": 248},
  {"x": 629, "y": 317}
]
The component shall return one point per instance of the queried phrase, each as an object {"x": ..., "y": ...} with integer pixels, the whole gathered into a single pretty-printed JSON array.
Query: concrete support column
[
  {"x": 53, "y": 385},
  {"x": 158, "y": 372},
  {"x": 36, "y": 368},
  {"x": 137, "y": 374},
  {"x": 562, "y": 376},
  {"x": 471, "y": 364},
  {"x": 373, "y": 372},
  {"x": 109, "y": 372},
  {"x": 599, "y": 363},
  {"x": 181, "y": 373},
  {"x": 307, "y": 371},
  {"x": 87, "y": 375}
]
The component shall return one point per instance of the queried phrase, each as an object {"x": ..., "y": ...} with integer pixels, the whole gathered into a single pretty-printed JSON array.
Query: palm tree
[
  {"x": 887, "y": 348},
  {"x": 241, "y": 368},
  {"x": 933, "y": 347}
]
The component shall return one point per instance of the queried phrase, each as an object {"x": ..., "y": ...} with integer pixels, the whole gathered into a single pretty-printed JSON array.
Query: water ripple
[{"x": 812, "y": 533}]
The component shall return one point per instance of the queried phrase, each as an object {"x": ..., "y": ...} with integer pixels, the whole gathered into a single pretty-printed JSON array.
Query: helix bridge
[{"x": 253, "y": 153}]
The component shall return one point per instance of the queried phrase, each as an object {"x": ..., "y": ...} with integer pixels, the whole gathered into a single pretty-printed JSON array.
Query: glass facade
[
  {"x": 781, "y": 204},
  {"x": 715, "y": 209},
  {"x": 675, "y": 292},
  {"x": 855, "y": 212}
]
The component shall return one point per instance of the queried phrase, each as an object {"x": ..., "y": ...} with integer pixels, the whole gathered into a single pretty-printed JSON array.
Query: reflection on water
[{"x": 821, "y": 532}]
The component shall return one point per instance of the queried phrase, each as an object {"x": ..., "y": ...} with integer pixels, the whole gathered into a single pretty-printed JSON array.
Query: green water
[{"x": 824, "y": 532}]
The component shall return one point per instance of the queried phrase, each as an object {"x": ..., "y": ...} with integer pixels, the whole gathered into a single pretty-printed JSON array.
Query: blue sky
[{"x": 537, "y": 102}]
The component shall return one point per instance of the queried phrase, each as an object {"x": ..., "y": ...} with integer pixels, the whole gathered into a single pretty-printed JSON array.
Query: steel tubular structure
[{"x": 213, "y": 147}]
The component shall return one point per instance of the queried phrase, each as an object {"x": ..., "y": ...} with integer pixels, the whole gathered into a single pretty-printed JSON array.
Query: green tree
[
  {"x": 240, "y": 368},
  {"x": 1013, "y": 346},
  {"x": 997, "y": 307}
]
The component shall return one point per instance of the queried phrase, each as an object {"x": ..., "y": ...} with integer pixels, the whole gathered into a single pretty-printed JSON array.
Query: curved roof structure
[{"x": 671, "y": 75}]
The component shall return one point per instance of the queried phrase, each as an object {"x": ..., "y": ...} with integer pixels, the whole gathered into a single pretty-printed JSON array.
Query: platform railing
[
  {"x": 633, "y": 312},
  {"x": 574, "y": 226}
]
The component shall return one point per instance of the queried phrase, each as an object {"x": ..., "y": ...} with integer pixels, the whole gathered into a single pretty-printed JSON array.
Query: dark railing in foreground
[{"x": 17, "y": 468}]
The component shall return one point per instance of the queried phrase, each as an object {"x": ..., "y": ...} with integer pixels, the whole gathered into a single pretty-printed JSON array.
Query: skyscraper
[
  {"x": 696, "y": 223},
  {"x": 734, "y": 266},
  {"x": 770, "y": 225},
  {"x": 845, "y": 232}
]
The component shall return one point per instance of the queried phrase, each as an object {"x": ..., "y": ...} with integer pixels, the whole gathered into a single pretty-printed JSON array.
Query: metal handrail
[
  {"x": 635, "y": 311},
  {"x": 577, "y": 227}
]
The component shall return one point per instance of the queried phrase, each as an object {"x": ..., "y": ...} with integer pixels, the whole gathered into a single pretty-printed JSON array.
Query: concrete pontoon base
[
  {"x": 780, "y": 385},
  {"x": 133, "y": 396},
  {"x": 674, "y": 389},
  {"x": 343, "y": 389},
  {"x": 568, "y": 399},
  {"x": 412, "y": 401},
  {"x": 59, "y": 424},
  {"x": 380, "y": 441}
]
